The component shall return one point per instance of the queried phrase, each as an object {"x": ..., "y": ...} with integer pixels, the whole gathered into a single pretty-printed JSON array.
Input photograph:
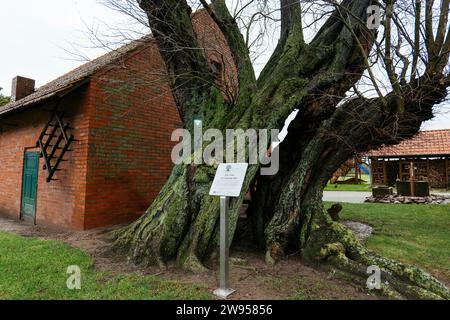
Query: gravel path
[{"x": 345, "y": 196}]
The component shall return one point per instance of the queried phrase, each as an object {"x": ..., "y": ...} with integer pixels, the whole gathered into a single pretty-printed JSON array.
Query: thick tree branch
[
  {"x": 227, "y": 24},
  {"x": 291, "y": 32},
  {"x": 429, "y": 35},
  {"x": 291, "y": 19},
  {"x": 416, "y": 46},
  {"x": 403, "y": 58},
  {"x": 388, "y": 61},
  {"x": 443, "y": 23},
  {"x": 171, "y": 25}
]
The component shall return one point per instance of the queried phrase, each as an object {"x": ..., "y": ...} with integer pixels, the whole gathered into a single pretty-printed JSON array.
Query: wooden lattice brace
[{"x": 56, "y": 144}]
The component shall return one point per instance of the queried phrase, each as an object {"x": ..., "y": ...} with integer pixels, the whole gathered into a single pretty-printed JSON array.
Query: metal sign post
[
  {"x": 224, "y": 290},
  {"x": 227, "y": 183}
]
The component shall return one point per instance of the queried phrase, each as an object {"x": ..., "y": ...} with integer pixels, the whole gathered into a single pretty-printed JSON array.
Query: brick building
[
  {"x": 92, "y": 148},
  {"x": 428, "y": 154}
]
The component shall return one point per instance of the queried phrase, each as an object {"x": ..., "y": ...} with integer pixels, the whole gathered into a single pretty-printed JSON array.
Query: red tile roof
[
  {"x": 70, "y": 80},
  {"x": 425, "y": 143}
]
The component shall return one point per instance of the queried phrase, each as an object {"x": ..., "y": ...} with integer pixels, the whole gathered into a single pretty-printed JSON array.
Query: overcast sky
[
  {"x": 36, "y": 34},
  {"x": 37, "y": 38}
]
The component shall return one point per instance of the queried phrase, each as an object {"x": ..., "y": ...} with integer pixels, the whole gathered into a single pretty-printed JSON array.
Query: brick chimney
[{"x": 21, "y": 87}]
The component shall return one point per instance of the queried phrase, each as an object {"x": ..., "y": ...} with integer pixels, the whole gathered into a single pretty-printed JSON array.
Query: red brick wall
[
  {"x": 59, "y": 203},
  {"x": 132, "y": 118}
]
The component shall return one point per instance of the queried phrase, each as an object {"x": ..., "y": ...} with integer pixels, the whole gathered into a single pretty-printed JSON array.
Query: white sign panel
[{"x": 229, "y": 179}]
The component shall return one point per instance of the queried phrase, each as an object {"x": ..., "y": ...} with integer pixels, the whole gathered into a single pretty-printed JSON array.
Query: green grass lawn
[
  {"x": 414, "y": 234},
  {"x": 36, "y": 269},
  {"x": 365, "y": 186},
  {"x": 349, "y": 187}
]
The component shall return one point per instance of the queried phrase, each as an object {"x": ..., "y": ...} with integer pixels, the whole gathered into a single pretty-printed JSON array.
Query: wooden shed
[{"x": 428, "y": 152}]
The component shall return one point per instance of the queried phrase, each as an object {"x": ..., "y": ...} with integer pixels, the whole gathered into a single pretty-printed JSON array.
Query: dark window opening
[{"x": 216, "y": 69}]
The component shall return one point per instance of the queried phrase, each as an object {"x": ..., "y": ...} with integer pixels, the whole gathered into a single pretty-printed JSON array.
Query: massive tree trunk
[{"x": 286, "y": 211}]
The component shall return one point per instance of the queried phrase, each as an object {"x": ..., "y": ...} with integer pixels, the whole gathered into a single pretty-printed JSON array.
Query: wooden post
[
  {"x": 447, "y": 173},
  {"x": 412, "y": 179}
]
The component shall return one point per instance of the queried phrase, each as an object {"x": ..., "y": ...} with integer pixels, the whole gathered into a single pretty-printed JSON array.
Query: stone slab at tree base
[
  {"x": 362, "y": 231},
  {"x": 396, "y": 199}
]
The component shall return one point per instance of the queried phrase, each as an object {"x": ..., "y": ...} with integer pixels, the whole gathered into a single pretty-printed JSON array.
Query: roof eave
[
  {"x": 59, "y": 93},
  {"x": 410, "y": 156}
]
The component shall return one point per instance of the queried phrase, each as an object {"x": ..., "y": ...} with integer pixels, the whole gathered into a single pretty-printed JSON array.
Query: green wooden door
[{"x": 29, "y": 184}]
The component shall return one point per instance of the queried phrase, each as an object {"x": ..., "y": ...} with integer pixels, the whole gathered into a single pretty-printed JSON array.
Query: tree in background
[
  {"x": 3, "y": 99},
  {"x": 357, "y": 84}
]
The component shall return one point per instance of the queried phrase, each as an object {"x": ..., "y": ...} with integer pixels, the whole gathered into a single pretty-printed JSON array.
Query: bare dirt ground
[{"x": 250, "y": 276}]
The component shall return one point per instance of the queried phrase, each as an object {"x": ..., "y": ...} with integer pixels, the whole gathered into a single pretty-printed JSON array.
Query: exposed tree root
[{"x": 337, "y": 246}]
